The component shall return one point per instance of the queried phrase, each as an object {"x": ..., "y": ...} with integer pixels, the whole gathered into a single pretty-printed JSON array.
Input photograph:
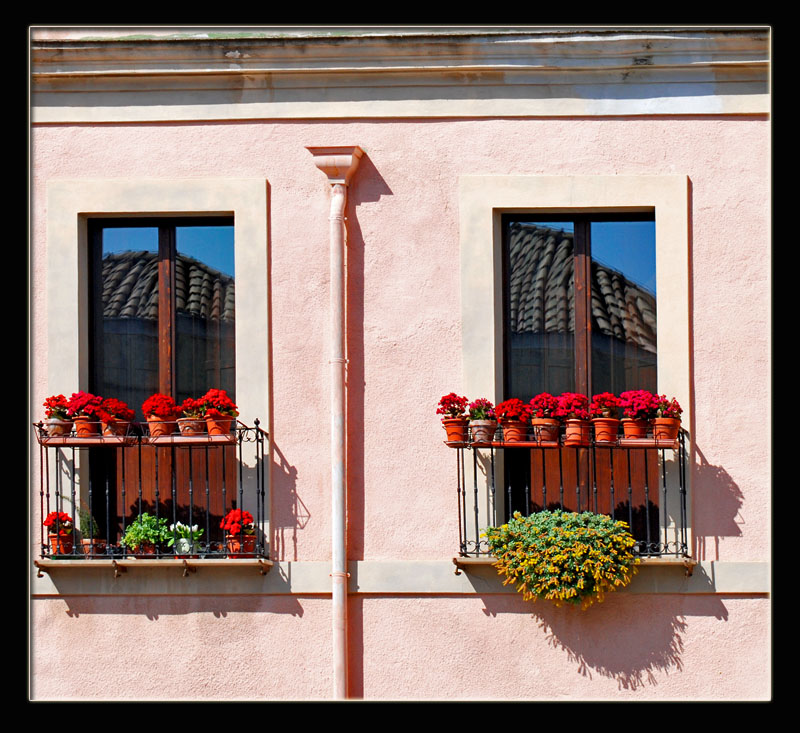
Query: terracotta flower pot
[
  {"x": 159, "y": 426},
  {"x": 54, "y": 427},
  {"x": 514, "y": 431},
  {"x": 482, "y": 430},
  {"x": 634, "y": 428},
  {"x": 240, "y": 545},
  {"x": 605, "y": 429},
  {"x": 86, "y": 427},
  {"x": 93, "y": 548},
  {"x": 576, "y": 432},
  {"x": 146, "y": 548},
  {"x": 666, "y": 428},
  {"x": 545, "y": 429},
  {"x": 61, "y": 544},
  {"x": 191, "y": 426},
  {"x": 456, "y": 428},
  {"x": 116, "y": 427},
  {"x": 219, "y": 425}
]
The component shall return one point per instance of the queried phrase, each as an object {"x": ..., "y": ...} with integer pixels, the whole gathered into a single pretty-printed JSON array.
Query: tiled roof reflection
[
  {"x": 542, "y": 297},
  {"x": 130, "y": 287}
]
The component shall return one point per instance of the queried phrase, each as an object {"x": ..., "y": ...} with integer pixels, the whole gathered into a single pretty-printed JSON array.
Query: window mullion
[
  {"x": 583, "y": 306},
  {"x": 166, "y": 310}
]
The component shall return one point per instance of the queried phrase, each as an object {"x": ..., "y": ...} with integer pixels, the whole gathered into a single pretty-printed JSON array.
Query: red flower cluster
[
  {"x": 160, "y": 406},
  {"x": 544, "y": 405},
  {"x": 113, "y": 409},
  {"x": 572, "y": 406},
  {"x": 481, "y": 409},
  {"x": 604, "y": 404},
  {"x": 667, "y": 407},
  {"x": 513, "y": 409},
  {"x": 191, "y": 407},
  {"x": 56, "y": 407},
  {"x": 237, "y": 521},
  {"x": 638, "y": 404},
  {"x": 84, "y": 403},
  {"x": 218, "y": 404},
  {"x": 451, "y": 405},
  {"x": 61, "y": 520}
]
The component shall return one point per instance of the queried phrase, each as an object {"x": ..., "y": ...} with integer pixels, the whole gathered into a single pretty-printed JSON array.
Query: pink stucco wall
[{"x": 405, "y": 352}]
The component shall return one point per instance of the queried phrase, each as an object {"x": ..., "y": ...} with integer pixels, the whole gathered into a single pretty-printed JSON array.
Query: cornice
[{"x": 536, "y": 72}]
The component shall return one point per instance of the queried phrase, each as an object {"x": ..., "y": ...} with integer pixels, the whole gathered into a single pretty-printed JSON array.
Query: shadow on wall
[
  {"x": 290, "y": 513},
  {"x": 617, "y": 639},
  {"x": 717, "y": 501},
  {"x": 153, "y": 607}
]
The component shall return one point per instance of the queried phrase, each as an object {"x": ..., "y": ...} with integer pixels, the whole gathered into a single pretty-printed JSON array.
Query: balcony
[
  {"x": 639, "y": 481},
  {"x": 106, "y": 482}
]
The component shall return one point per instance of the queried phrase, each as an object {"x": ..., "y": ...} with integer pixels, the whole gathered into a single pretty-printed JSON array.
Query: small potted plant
[
  {"x": 184, "y": 539},
  {"x": 115, "y": 416},
  {"x": 91, "y": 543},
  {"x": 57, "y": 420},
  {"x": 455, "y": 421},
  {"x": 192, "y": 420},
  {"x": 573, "y": 409},
  {"x": 604, "y": 412},
  {"x": 83, "y": 409},
  {"x": 160, "y": 411},
  {"x": 638, "y": 408},
  {"x": 513, "y": 415},
  {"x": 667, "y": 420},
  {"x": 219, "y": 412},
  {"x": 544, "y": 418},
  {"x": 482, "y": 420},
  {"x": 59, "y": 533},
  {"x": 145, "y": 534},
  {"x": 240, "y": 533}
]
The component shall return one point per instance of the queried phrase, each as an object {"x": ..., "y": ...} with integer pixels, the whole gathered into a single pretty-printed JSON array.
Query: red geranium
[
  {"x": 451, "y": 405},
  {"x": 113, "y": 409},
  {"x": 544, "y": 405},
  {"x": 61, "y": 521},
  {"x": 56, "y": 407},
  {"x": 513, "y": 409},
  {"x": 237, "y": 521},
  {"x": 218, "y": 404},
  {"x": 481, "y": 409},
  {"x": 84, "y": 403},
  {"x": 161, "y": 406},
  {"x": 604, "y": 404},
  {"x": 191, "y": 407},
  {"x": 638, "y": 404},
  {"x": 667, "y": 407},
  {"x": 572, "y": 406}
]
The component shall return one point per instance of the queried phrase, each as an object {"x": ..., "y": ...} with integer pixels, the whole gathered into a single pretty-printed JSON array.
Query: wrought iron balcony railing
[
  {"x": 639, "y": 481},
  {"x": 105, "y": 482}
]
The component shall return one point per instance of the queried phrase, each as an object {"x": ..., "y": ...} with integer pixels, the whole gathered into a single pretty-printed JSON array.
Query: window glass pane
[
  {"x": 623, "y": 306},
  {"x": 126, "y": 339},
  {"x": 205, "y": 314},
  {"x": 540, "y": 308}
]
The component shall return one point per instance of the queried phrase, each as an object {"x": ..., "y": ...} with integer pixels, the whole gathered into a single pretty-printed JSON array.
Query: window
[
  {"x": 162, "y": 319},
  {"x": 162, "y": 295},
  {"x": 484, "y": 203},
  {"x": 579, "y": 295}
]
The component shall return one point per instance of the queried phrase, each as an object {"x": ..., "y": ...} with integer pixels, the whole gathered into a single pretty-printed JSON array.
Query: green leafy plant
[
  {"x": 145, "y": 529},
  {"x": 88, "y": 524},
  {"x": 564, "y": 557}
]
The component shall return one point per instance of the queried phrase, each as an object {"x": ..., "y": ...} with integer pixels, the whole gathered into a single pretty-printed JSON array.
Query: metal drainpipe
[{"x": 339, "y": 164}]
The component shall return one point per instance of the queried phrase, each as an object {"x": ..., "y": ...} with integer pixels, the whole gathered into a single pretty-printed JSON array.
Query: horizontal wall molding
[
  {"x": 387, "y": 578},
  {"x": 484, "y": 74}
]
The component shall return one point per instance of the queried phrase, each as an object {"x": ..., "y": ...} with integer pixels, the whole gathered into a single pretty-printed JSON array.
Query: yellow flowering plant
[{"x": 564, "y": 557}]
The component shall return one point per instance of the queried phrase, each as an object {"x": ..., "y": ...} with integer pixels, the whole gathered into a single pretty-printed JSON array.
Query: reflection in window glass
[
  {"x": 205, "y": 313},
  {"x": 623, "y": 306}
]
